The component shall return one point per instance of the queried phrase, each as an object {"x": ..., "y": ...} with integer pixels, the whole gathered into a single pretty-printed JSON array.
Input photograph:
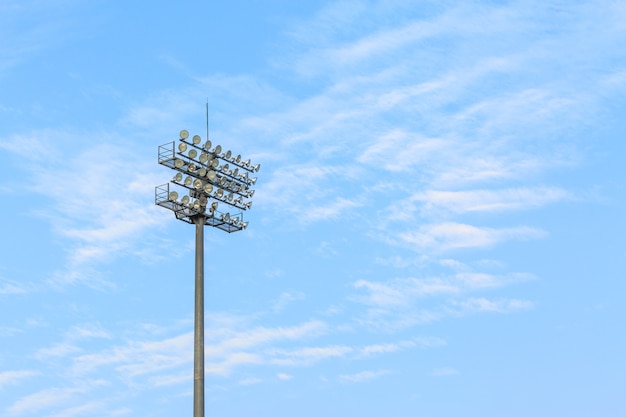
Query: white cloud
[
  {"x": 308, "y": 355},
  {"x": 14, "y": 377},
  {"x": 449, "y": 236},
  {"x": 363, "y": 376},
  {"x": 287, "y": 298}
]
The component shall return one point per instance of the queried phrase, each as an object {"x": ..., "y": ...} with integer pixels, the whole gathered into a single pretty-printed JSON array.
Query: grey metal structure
[{"x": 208, "y": 176}]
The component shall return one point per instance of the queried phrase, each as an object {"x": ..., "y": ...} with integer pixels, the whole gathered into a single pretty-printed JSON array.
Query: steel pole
[{"x": 198, "y": 351}]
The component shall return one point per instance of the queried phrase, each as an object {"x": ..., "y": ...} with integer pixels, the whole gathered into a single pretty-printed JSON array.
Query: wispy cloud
[
  {"x": 14, "y": 377},
  {"x": 449, "y": 236},
  {"x": 363, "y": 376}
]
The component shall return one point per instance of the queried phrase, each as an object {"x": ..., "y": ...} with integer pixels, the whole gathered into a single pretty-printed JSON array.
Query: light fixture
[{"x": 198, "y": 206}]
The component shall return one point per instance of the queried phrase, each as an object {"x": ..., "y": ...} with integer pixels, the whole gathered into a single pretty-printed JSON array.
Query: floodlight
[
  {"x": 255, "y": 167},
  {"x": 250, "y": 180},
  {"x": 206, "y": 183}
]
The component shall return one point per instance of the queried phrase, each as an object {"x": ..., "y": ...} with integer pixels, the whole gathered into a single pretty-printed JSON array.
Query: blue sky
[{"x": 437, "y": 228}]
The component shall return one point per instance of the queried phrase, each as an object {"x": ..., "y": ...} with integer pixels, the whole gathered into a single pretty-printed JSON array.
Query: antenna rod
[{"x": 207, "y": 119}]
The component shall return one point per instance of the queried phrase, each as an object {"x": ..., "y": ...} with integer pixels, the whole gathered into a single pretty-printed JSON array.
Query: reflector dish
[
  {"x": 185, "y": 199},
  {"x": 196, "y": 205},
  {"x": 182, "y": 146},
  {"x": 193, "y": 153},
  {"x": 179, "y": 163},
  {"x": 225, "y": 167},
  {"x": 256, "y": 167},
  {"x": 230, "y": 197},
  {"x": 202, "y": 172},
  {"x": 226, "y": 217},
  {"x": 207, "y": 145},
  {"x": 208, "y": 188},
  {"x": 211, "y": 175},
  {"x": 203, "y": 201},
  {"x": 188, "y": 181},
  {"x": 184, "y": 134},
  {"x": 238, "y": 159},
  {"x": 204, "y": 157},
  {"x": 197, "y": 184},
  {"x": 214, "y": 163},
  {"x": 219, "y": 193},
  {"x": 228, "y": 154},
  {"x": 178, "y": 177},
  {"x": 244, "y": 225},
  {"x": 197, "y": 139},
  {"x": 173, "y": 196},
  {"x": 192, "y": 167},
  {"x": 218, "y": 149}
]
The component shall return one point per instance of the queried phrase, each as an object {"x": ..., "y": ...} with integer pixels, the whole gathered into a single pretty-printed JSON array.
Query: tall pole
[
  {"x": 198, "y": 352},
  {"x": 209, "y": 176}
]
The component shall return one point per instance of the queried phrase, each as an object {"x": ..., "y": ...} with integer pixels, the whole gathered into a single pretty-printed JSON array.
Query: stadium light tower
[{"x": 205, "y": 176}]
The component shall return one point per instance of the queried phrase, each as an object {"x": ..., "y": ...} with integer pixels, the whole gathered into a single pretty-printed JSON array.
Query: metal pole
[{"x": 198, "y": 351}]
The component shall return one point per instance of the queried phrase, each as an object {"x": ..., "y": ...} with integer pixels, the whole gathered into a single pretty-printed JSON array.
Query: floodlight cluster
[{"x": 206, "y": 172}]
